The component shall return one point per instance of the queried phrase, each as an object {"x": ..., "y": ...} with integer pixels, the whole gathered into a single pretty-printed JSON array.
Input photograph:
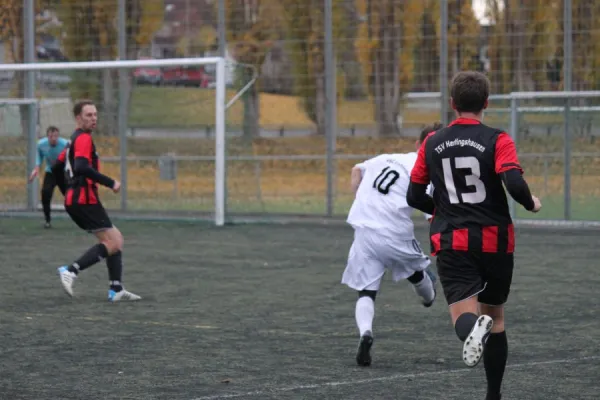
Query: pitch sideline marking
[{"x": 383, "y": 379}]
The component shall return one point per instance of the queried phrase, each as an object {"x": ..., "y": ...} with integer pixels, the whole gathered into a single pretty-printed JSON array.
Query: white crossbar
[
  {"x": 168, "y": 62},
  {"x": 18, "y": 102}
]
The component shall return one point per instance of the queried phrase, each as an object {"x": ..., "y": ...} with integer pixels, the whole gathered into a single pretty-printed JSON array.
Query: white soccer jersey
[{"x": 380, "y": 202}]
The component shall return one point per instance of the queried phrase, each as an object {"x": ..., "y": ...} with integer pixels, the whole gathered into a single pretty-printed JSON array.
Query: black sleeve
[
  {"x": 417, "y": 197},
  {"x": 518, "y": 188},
  {"x": 83, "y": 167}
]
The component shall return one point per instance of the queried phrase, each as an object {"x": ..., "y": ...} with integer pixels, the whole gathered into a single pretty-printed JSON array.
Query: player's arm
[
  {"x": 508, "y": 167},
  {"x": 82, "y": 165},
  {"x": 38, "y": 161},
  {"x": 417, "y": 196},
  {"x": 429, "y": 192},
  {"x": 356, "y": 176}
]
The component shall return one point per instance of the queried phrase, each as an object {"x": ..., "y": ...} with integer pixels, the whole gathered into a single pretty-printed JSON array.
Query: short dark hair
[
  {"x": 470, "y": 91},
  {"x": 52, "y": 128},
  {"x": 78, "y": 107},
  {"x": 428, "y": 129}
]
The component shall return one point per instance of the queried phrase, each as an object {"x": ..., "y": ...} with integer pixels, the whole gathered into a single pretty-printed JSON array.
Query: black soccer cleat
[
  {"x": 493, "y": 396},
  {"x": 363, "y": 355}
]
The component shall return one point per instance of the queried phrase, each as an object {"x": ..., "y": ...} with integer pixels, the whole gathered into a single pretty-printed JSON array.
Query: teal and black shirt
[{"x": 48, "y": 153}]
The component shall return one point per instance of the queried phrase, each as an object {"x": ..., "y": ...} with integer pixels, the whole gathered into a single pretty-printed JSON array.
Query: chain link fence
[{"x": 390, "y": 61}]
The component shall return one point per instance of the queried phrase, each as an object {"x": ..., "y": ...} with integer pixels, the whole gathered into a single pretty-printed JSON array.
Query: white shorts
[{"x": 371, "y": 254}]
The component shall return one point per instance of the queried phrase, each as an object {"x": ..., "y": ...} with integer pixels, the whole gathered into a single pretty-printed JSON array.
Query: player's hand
[
  {"x": 116, "y": 187},
  {"x": 34, "y": 173},
  {"x": 537, "y": 204}
]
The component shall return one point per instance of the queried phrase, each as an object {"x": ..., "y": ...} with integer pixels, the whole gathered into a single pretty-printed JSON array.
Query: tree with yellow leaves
[
  {"x": 525, "y": 38},
  {"x": 386, "y": 46},
  {"x": 90, "y": 34},
  {"x": 252, "y": 29},
  {"x": 305, "y": 36},
  {"x": 463, "y": 42},
  {"x": 11, "y": 34},
  {"x": 586, "y": 45}
]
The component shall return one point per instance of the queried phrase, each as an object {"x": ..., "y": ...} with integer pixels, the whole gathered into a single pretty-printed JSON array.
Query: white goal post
[{"x": 220, "y": 108}]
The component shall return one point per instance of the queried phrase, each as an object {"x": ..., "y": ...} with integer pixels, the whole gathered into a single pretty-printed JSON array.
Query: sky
[{"x": 479, "y": 8}]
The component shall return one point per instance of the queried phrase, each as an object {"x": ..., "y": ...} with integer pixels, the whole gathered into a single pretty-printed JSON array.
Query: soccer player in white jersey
[{"x": 384, "y": 238}]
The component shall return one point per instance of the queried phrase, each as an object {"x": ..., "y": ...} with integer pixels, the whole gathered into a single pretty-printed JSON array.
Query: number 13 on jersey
[{"x": 471, "y": 180}]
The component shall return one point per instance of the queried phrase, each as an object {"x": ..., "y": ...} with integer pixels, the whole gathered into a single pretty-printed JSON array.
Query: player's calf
[
  {"x": 46, "y": 196},
  {"x": 364, "y": 313},
  {"x": 496, "y": 351},
  {"x": 365, "y": 310},
  {"x": 113, "y": 239},
  {"x": 424, "y": 285},
  {"x": 471, "y": 329}
]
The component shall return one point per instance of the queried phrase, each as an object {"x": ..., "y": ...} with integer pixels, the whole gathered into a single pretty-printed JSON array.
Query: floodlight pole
[
  {"x": 29, "y": 93},
  {"x": 568, "y": 86},
  {"x": 444, "y": 116},
  {"x": 123, "y": 101},
  {"x": 330, "y": 108}
]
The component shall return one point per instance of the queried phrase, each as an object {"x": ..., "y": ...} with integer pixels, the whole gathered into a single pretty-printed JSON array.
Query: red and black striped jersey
[
  {"x": 81, "y": 190},
  {"x": 463, "y": 162}
]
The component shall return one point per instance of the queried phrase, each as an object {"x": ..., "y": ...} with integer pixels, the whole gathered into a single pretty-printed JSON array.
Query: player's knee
[
  {"x": 497, "y": 315},
  {"x": 368, "y": 293},
  {"x": 113, "y": 241}
]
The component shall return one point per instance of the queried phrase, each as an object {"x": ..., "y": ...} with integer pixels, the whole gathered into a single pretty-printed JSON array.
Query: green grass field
[{"x": 257, "y": 311}]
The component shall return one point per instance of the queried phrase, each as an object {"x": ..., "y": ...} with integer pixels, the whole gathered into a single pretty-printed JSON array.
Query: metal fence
[{"x": 326, "y": 84}]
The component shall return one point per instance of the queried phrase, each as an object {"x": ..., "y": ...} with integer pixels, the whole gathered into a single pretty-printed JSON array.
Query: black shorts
[
  {"x": 89, "y": 217},
  {"x": 466, "y": 274},
  {"x": 51, "y": 181}
]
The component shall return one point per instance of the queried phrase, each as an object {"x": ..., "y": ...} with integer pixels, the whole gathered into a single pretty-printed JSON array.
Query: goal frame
[{"x": 220, "y": 109}]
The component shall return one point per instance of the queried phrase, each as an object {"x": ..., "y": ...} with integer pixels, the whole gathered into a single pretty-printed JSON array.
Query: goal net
[{"x": 161, "y": 131}]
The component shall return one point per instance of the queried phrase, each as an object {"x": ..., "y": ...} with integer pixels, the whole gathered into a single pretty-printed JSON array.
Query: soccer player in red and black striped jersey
[
  {"x": 471, "y": 231},
  {"x": 81, "y": 166}
]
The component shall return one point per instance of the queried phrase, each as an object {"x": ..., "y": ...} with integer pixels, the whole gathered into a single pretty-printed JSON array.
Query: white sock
[
  {"x": 425, "y": 288},
  {"x": 365, "y": 311}
]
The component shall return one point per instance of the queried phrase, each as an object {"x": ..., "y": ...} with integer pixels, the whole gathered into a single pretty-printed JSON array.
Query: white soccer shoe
[
  {"x": 473, "y": 347},
  {"x": 67, "y": 278},
  {"x": 122, "y": 295}
]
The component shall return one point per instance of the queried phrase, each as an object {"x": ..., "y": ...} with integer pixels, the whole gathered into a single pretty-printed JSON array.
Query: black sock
[
  {"x": 94, "y": 254},
  {"x": 416, "y": 277},
  {"x": 115, "y": 271},
  {"x": 464, "y": 325},
  {"x": 494, "y": 361}
]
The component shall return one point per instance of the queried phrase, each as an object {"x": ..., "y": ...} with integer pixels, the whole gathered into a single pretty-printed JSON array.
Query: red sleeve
[
  {"x": 420, "y": 172},
  {"x": 62, "y": 157},
  {"x": 83, "y": 147},
  {"x": 506, "y": 154}
]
